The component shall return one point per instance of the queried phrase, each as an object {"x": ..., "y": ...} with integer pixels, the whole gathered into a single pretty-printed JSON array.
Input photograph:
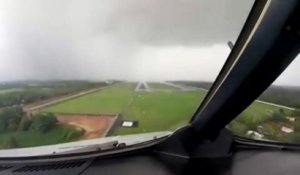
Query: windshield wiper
[
  {"x": 90, "y": 148},
  {"x": 247, "y": 143}
]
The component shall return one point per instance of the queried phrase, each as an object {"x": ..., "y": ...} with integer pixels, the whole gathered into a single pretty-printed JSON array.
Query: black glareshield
[{"x": 268, "y": 43}]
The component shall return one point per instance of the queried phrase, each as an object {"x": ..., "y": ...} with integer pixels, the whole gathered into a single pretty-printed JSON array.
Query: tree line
[
  {"x": 42, "y": 92},
  {"x": 14, "y": 119},
  {"x": 14, "y": 123},
  {"x": 283, "y": 95}
]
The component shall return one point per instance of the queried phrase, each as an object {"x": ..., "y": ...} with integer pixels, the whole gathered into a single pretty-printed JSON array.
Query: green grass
[
  {"x": 155, "y": 111},
  {"x": 3, "y": 91},
  {"x": 158, "y": 110},
  {"x": 59, "y": 134},
  {"x": 160, "y": 86},
  {"x": 111, "y": 100},
  {"x": 256, "y": 114},
  {"x": 161, "y": 111}
]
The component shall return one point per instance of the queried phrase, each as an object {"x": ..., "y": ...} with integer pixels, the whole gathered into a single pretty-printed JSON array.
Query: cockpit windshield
[{"x": 80, "y": 71}]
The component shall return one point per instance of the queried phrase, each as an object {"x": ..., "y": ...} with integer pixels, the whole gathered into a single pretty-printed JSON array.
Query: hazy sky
[{"x": 119, "y": 39}]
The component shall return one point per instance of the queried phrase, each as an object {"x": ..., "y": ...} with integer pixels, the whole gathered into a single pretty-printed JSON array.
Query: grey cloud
[
  {"x": 180, "y": 22},
  {"x": 92, "y": 39}
]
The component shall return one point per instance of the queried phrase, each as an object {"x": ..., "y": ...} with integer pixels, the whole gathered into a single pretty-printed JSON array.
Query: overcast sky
[{"x": 119, "y": 39}]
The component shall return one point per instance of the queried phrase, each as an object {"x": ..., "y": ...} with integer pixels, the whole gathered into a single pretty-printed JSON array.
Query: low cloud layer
[{"x": 117, "y": 39}]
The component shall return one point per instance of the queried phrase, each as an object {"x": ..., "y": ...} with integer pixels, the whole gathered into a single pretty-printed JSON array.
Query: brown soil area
[{"x": 94, "y": 126}]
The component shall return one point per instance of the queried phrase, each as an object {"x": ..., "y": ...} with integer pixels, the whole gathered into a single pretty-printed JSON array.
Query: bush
[
  {"x": 9, "y": 143},
  {"x": 296, "y": 113},
  {"x": 73, "y": 134},
  {"x": 10, "y": 119},
  {"x": 24, "y": 124},
  {"x": 282, "y": 111},
  {"x": 12, "y": 125},
  {"x": 278, "y": 117},
  {"x": 2, "y": 125},
  {"x": 297, "y": 126},
  {"x": 295, "y": 138},
  {"x": 269, "y": 131},
  {"x": 43, "y": 122},
  {"x": 238, "y": 128}
]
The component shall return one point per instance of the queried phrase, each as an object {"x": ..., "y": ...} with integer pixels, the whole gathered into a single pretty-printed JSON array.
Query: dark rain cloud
[
  {"x": 179, "y": 22},
  {"x": 122, "y": 39}
]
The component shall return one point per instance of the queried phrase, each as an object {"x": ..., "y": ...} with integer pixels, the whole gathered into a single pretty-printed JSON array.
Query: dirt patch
[{"x": 94, "y": 126}]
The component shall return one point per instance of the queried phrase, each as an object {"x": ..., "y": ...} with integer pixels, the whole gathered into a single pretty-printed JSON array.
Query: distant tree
[
  {"x": 43, "y": 122},
  {"x": 284, "y": 95},
  {"x": 43, "y": 91}
]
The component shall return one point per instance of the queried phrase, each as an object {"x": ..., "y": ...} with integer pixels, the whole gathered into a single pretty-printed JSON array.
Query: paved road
[
  {"x": 140, "y": 84},
  {"x": 184, "y": 87},
  {"x": 277, "y": 105}
]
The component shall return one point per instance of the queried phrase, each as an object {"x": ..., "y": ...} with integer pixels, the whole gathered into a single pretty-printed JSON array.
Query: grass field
[
  {"x": 162, "y": 108},
  {"x": 111, "y": 100},
  {"x": 259, "y": 112},
  {"x": 3, "y": 91},
  {"x": 161, "y": 111},
  {"x": 59, "y": 134},
  {"x": 157, "y": 110}
]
